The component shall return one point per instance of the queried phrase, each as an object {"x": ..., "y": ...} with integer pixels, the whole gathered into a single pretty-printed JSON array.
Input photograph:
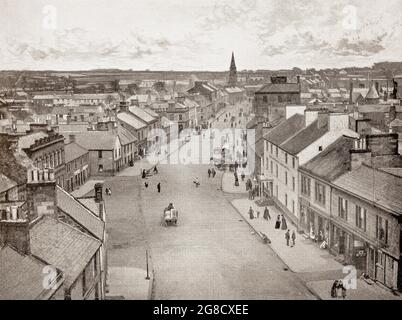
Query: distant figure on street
[
  {"x": 266, "y": 214},
  {"x": 293, "y": 238},
  {"x": 144, "y": 174},
  {"x": 284, "y": 224},
  {"x": 287, "y": 237},
  {"x": 209, "y": 173},
  {"x": 258, "y": 214},
  {"x": 236, "y": 182},
  {"x": 158, "y": 186},
  {"x": 342, "y": 288},
  {"x": 213, "y": 173},
  {"x": 196, "y": 182},
  {"x": 146, "y": 184},
  {"x": 278, "y": 222},
  {"x": 243, "y": 176},
  {"x": 251, "y": 213},
  {"x": 155, "y": 170}
]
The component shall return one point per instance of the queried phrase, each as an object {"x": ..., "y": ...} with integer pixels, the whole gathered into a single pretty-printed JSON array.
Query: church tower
[{"x": 233, "y": 73}]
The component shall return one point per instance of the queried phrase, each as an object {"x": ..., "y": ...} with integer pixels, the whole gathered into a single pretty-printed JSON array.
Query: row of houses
[
  {"x": 341, "y": 186},
  {"x": 52, "y": 245}
]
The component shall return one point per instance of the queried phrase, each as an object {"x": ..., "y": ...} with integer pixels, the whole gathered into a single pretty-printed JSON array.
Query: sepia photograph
[{"x": 200, "y": 150}]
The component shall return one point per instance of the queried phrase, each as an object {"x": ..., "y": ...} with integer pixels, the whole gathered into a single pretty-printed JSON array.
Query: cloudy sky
[{"x": 198, "y": 35}]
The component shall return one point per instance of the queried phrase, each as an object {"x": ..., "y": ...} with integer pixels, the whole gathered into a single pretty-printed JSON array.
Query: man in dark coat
[
  {"x": 293, "y": 238},
  {"x": 159, "y": 187},
  {"x": 213, "y": 173},
  {"x": 209, "y": 173},
  {"x": 287, "y": 237}
]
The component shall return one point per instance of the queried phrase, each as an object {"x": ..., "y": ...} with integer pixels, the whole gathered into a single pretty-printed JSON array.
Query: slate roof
[
  {"x": 143, "y": 115},
  {"x": 372, "y": 93},
  {"x": 81, "y": 214},
  {"x": 73, "y": 151},
  {"x": 21, "y": 276},
  {"x": 96, "y": 140},
  {"x": 285, "y": 130},
  {"x": 332, "y": 162},
  {"x": 280, "y": 88},
  {"x": 304, "y": 138},
  {"x": 125, "y": 135},
  {"x": 371, "y": 108},
  {"x": 24, "y": 142},
  {"x": 396, "y": 123},
  {"x": 131, "y": 120},
  {"x": 393, "y": 171},
  {"x": 381, "y": 188},
  {"x": 62, "y": 246},
  {"x": 6, "y": 183}
]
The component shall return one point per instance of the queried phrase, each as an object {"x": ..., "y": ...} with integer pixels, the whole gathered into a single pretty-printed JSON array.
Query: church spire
[{"x": 233, "y": 72}]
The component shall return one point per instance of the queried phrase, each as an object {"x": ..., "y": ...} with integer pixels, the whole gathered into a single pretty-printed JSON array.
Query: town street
[{"x": 211, "y": 253}]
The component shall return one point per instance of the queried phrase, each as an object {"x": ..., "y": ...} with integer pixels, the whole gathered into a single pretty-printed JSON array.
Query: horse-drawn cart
[{"x": 170, "y": 217}]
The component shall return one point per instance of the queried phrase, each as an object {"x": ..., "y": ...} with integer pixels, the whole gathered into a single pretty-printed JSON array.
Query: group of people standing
[
  {"x": 338, "y": 289},
  {"x": 252, "y": 191}
]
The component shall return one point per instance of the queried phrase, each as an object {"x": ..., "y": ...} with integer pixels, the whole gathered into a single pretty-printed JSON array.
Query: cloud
[{"x": 347, "y": 47}]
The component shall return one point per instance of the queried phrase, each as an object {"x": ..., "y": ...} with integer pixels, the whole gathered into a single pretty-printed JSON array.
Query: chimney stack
[
  {"x": 41, "y": 193},
  {"x": 71, "y": 137},
  {"x": 14, "y": 229},
  {"x": 98, "y": 192},
  {"x": 351, "y": 94},
  {"x": 359, "y": 154}
]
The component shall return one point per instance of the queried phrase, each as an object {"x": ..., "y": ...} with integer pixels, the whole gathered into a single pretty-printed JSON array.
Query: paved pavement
[
  {"x": 228, "y": 183},
  {"x": 315, "y": 266}
]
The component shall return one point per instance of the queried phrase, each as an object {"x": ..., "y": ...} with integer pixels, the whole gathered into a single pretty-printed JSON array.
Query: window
[
  {"x": 343, "y": 208},
  {"x": 293, "y": 206},
  {"x": 361, "y": 217},
  {"x": 100, "y": 154},
  {"x": 266, "y": 163},
  {"x": 293, "y": 183},
  {"x": 320, "y": 193},
  {"x": 279, "y": 98},
  {"x": 264, "y": 99},
  {"x": 286, "y": 200},
  {"x": 293, "y": 162},
  {"x": 382, "y": 229},
  {"x": 276, "y": 170},
  {"x": 286, "y": 178},
  {"x": 305, "y": 185},
  {"x": 276, "y": 152},
  {"x": 100, "y": 168},
  {"x": 286, "y": 158},
  {"x": 266, "y": 145},
  {"x": 272, "y": 167},
  {"x": 180, "y": 117},
  {"x": 272, "y": 148}
]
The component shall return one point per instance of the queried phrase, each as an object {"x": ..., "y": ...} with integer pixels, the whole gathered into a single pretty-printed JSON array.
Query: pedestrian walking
[
  {"x": 144, "y": 174},
  {"x": 213, "y": 173},
  {"x": 158, "y": 186},
  {"x": 251, "y": 213},
  {"x": 243, "y": 176},
  {"x": 209, "y": 173},
  {"x": 250, "y": 195},
  {"x": 258, "y": 214},
  {"x": 284, "y": 224},
  {"x": 293, "y": 238},
  {"x": 287, "y": 237},
  {"x": 278, "y": 222},
  {"x": 146, "y": 184},
  {"x": 266, "y": 214},
  {"x": 236, "y": 182}
]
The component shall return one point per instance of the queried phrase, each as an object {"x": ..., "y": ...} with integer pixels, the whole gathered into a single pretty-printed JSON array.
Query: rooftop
[
  {"x": 333, "y": 161},
  {"x": 73, "y": 151},
  {"x": 95, "y": 140},
  {"x": 62, "y": 246},
  {"x": 131, "y": 120},
  {"x": 25, "y": 142},
  {"x": 280, "y": 88},
  {"x": 21, "y": 276},
  {"x": 304, "y": 138},
  {"x": 80, "y": 213},
  {"x": 285, "y": 130},
  {"x": 375, "y": 186},
  {"x": 143, "y": 115}
]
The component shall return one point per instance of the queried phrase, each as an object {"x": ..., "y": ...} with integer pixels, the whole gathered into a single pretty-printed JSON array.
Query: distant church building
[
  {"x": 234, "y": 93},
  {"x": 233, "y": 73}
]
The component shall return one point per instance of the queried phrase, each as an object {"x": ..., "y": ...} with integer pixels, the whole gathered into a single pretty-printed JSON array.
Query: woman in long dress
[
  {"x": 278, "y": 222},
  {"x": 284, "y": 224}
]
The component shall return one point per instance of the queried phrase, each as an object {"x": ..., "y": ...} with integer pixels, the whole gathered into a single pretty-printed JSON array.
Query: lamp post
[{"x": 146, "y": 255}]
